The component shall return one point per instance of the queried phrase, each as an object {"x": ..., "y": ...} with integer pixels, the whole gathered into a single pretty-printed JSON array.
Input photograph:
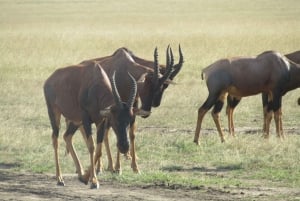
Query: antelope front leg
[
  {"x": 98, "y": 158},
  {"x": 267, "y": 122},
  {"x": 265, "y": 112},
  {"x": 91, "y": 148},
  {"x": 102, "y": 135},
  {"x": 278, "y": 122},
  {"x": 134, "y": 165},
  {"x": 118, "y": 164},
  {"x": 232, "y": 102},
  {"x": 230, "y": 121},
  {"x": 110, "y": 166},
  {"x": 268, "y": 115}
]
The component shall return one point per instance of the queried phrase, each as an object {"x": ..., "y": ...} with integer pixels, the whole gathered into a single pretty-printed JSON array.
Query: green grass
[{"x": 37, "y": 37}]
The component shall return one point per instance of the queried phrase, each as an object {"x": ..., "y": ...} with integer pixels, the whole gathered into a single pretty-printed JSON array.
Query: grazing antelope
[
  {"x": 163, "y": 69},
  {"x": 84, "y": 95},
  {"x": 151, "y": 85},
  {"x": 269, "y": 73},
  {"x": 232, "y": 102}
]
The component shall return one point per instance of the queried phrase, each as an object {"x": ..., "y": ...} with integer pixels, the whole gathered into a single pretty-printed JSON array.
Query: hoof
[
  {"x": 83, "y": 180},
  {"x": 95, "y": 186},
  {"x": 61, "y": 183},
  {"x": 197, "y": 142}
]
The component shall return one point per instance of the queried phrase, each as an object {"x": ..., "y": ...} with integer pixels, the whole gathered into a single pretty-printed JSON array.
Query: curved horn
[
  {"x": 133, "y": 91},
  {"x": 156, "y": 68},
  {"x": 115, "y": 90},
  {"x": 178, "y": 66},
  {"x": 167, "y": 56},
  {"x": 170, "y": 62},
  {"x": 171, "y": 57}
]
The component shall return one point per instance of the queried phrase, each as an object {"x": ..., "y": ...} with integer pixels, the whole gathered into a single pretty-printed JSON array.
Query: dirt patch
[{"x": 28, "y": 186}]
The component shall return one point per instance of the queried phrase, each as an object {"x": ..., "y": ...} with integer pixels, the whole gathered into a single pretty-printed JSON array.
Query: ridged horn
[
  {"x": 115, "y": 90},
  {"x": 178, "y": 66},
  {"x": 169, "y": 63},
  {"x": 168, "y": 56},
  {"x": 156, "y": 67},
  {"x": 133, "y": 91},
  {"x": 171, "y": 57}
]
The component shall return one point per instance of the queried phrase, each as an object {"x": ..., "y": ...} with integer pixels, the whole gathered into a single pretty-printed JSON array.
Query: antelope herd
[{"x": 106, "y": 91}]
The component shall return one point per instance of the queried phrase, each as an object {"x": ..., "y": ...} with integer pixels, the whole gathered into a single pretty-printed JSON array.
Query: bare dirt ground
[{"x": 28, "y": 186}]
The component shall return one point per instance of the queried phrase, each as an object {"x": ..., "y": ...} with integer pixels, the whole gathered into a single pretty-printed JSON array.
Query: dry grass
[{"x": 37, "y": 37}]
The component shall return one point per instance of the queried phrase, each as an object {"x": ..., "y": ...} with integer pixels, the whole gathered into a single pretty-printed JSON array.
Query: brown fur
[
  {"x": 83, "y": 95},
  {"x": 269, "y": 73},
  {"x": 144, "y": 71},
  {"x": 294, "y": 57}
]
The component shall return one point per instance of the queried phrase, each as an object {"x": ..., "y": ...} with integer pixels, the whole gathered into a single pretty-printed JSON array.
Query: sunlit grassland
[{"x": 36, "y": 37}]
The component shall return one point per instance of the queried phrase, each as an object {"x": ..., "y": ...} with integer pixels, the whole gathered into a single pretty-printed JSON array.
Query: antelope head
[
  {"x": 155, "y": 83},
  {"x": 121, "y": 114}
]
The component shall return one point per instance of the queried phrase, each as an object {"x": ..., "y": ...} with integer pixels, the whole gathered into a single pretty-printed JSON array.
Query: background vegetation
[{"x": 37, "y": 37}]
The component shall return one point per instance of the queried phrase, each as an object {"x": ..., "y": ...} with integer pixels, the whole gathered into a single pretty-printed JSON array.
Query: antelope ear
[
  {"x": 140, "y": 112},
  {"x": 105, "y": 112},
  {"x": 142, "y": 78},
  {"x": 168, "y": 81}
]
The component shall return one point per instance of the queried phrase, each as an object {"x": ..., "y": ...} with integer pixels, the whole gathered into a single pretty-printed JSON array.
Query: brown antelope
[
  {"x": 150, "y": 64},
  {"x": 151, "y": 85},
  {"x": 84, "y": 95},
  {"x": 269, "y": 73},
  {"x": 232, "y": 102}
]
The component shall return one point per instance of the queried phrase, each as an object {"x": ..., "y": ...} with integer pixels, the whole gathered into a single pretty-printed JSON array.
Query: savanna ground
[{"x": 37, "y": 37}]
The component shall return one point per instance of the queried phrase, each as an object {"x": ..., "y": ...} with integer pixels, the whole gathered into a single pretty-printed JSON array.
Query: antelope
[
  {"x": 232, "y": 102},
  {"x": 269, "y": 73},
  {"x": 84, "y": 95},
  {"x": 151, "y": 85},
  {"x": 150, "y": 64}
]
